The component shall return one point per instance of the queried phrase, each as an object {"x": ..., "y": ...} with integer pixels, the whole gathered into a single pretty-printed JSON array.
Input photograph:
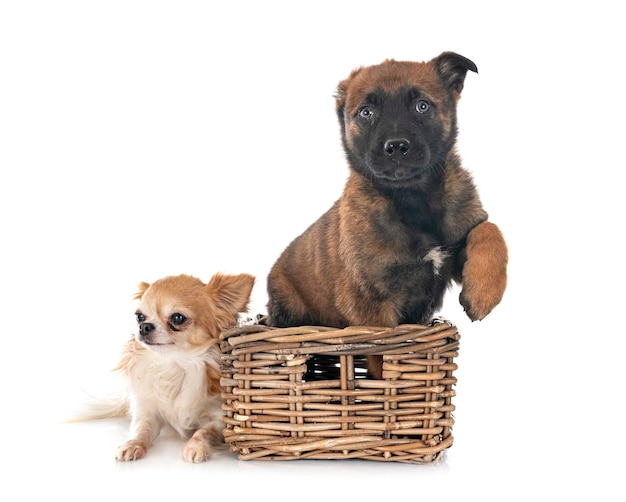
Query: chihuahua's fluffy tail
[{"x": 98, "y": 409}]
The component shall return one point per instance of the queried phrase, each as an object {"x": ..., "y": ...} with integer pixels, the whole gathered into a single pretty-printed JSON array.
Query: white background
[{"x": 142, "y": 139}]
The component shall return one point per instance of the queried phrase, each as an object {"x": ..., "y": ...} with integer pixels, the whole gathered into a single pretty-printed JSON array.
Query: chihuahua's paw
[
  {"x": 196, "y": 450},
  {"x": 484, "y": 271},
  {"x": 132, "y": 449}
]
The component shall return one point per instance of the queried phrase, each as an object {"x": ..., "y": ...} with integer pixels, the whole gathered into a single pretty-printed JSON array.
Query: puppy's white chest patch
[{"x": 437, "y": 256}]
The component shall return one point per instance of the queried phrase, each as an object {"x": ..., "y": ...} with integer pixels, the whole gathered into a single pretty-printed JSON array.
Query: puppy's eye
[
  {"x": 422, "y": 106},
  {"x": 140, "y": 317},
  {"x": 366, "y": 113},
  {"x": 177, "y": 319}
]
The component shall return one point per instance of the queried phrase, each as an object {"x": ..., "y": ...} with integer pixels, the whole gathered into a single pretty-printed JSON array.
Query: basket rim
[{"x": 376, "y": 335}]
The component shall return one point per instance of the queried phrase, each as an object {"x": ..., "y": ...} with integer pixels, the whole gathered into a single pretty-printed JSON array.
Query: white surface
[{"x": 141, "y": 139}]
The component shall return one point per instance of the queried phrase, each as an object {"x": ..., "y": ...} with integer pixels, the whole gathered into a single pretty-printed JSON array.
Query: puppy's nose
[
  {"x": 397, "y": 147},
  {"x": 145, "y": 328}
]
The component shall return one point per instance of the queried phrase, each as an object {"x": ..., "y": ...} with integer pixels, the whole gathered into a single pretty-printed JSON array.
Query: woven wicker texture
[{"x": 304, "y": 392}]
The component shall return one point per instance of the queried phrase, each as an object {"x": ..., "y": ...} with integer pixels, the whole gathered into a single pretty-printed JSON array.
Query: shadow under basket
[{"x": 305, "y": 392}]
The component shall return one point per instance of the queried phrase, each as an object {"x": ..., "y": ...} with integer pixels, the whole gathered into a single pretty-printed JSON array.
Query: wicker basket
[{"x": 304, "y": 392}]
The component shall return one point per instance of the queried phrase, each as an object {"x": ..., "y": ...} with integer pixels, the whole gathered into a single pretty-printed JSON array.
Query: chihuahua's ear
[
  {"x": 231, "y": 294},
  {"x": 143, "y": 286}
]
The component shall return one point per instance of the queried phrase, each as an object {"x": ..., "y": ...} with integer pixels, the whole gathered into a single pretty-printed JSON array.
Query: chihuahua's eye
[
  {"x": 177, "y": 319},
  {"x": 140, "y": 317}
]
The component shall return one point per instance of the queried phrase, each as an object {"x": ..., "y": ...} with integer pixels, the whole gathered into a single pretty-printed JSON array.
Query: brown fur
[
  {"x": 171, "y": 365},
  {"x": 484, "y": 272},
  {"x": 407, "y": 223}
]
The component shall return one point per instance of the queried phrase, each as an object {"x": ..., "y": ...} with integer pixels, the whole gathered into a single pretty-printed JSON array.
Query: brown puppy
[{"x": 409, "y": 221}]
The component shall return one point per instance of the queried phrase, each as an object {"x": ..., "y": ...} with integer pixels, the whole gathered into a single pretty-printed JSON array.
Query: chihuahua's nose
[{"x": 145, "y": 328}]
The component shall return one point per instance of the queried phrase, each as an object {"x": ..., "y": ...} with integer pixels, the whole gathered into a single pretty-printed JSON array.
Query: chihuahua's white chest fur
[
  {"x": 171, "y": 388},
  {"x": 171, "y": 365}
]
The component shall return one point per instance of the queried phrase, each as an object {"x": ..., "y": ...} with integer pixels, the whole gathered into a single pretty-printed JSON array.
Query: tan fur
[
  {"x": 484, "y": 272},
  {"x": 172, "y": 370},
  {"x": 404, "y": 226}
]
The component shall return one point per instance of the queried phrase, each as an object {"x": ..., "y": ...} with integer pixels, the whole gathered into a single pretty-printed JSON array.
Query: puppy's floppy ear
[
  {"x": 452, "y": 68},
  {"x": 342, "y": 93},
  {"x": 231, "y": 294},
  {"x": 143, "y": 286},
  {"x": 340, "y": 103}
]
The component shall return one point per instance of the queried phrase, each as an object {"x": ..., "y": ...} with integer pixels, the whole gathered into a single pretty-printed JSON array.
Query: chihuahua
[{"x": 171, "y": 365}]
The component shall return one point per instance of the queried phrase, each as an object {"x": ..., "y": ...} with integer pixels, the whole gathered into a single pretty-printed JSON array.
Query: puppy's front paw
[
  {"x": 484, "y": 271},
  {"x": 133, "y": 449},
  {"x": 196, "y": 450}
]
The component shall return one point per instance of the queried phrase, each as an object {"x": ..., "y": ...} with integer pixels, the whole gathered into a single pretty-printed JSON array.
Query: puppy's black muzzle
[
  {"x": 397, "y": 148},
  {"x": 145, "y": 328}
]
